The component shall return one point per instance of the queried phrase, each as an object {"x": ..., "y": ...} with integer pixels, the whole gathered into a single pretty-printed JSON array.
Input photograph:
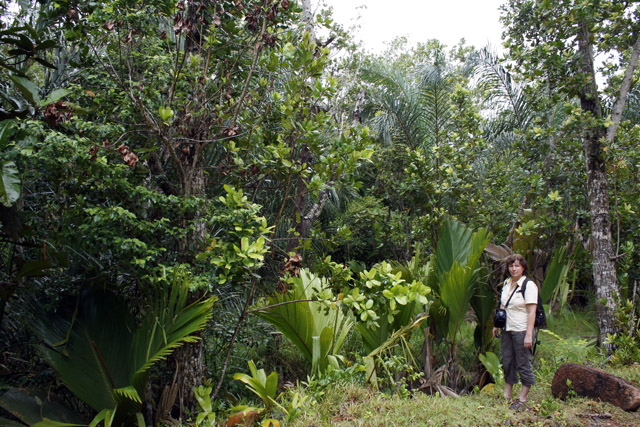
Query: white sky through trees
[{"x": 421, "y": 20}]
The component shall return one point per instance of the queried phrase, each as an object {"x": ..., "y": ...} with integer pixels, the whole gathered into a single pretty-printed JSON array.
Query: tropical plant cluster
[{"x": 223, "y": 211}]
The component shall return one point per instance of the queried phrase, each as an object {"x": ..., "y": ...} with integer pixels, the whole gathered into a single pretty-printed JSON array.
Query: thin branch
[
  {"x": 265, "y": 308},
  {"x": 258, "y": 48},
  {"x": 154, "y": 127},
  {"x": 243, "y": 315},
  {"x": 616, "y": 114}
]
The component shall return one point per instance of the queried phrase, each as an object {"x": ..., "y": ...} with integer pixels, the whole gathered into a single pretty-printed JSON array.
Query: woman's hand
[
  {"x": 496, "y": 332},
  {"x": 528, "y": 340}
]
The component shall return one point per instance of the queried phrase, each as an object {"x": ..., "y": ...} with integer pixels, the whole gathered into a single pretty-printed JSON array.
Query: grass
[
  {"x": 352, "y": 405},
  {"x": 572, "y": 340},
  {"x": 339, "y": 402}
]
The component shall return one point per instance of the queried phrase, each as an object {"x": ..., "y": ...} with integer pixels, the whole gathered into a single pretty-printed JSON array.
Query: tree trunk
[
  {"x": 302, "y": 224},
  {"x": 300, "y": 219},
  {"x": 191, "y": 373},
  {"x": 307, "y": 18},
  {"x": 604, "y": 271}
]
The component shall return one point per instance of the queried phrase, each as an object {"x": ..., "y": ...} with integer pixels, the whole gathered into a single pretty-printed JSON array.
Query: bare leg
[
  {"x": 524, "y": 393},
  {"x": 507, "y": 390}
]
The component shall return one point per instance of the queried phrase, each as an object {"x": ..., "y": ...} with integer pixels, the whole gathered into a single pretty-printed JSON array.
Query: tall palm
[
  {"x": 410, "y": 107},
  {"x": 502, "y": 93}
]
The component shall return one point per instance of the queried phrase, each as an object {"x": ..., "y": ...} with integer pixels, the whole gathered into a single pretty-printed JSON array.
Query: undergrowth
[{"x": 344, "y": 398}]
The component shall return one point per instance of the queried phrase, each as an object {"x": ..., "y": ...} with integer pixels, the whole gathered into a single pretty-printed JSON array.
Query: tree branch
[
  {"x": 243, "y": 315},
  {"x": 618, "y": 108},
  {"x": 257, "y": 310},
  {"x": 258, "y": 49}
]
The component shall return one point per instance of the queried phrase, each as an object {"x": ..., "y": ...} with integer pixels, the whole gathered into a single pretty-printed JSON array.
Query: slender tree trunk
[
  {"x": 604, "y": 271},
  {"x": 302, "y": 224},
  {"x": 301, "y": 220},
  {"x": 307, "y": 17}
]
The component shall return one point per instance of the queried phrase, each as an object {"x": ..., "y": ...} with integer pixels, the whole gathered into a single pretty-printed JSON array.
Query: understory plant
[
  {"x": 383, "y": 302},
  {"x": 104, "y": 355},
  {"x": 310, "y": 317},
  {"x": 554, "y": 350},
  {"x": 388, "y": 309},
  {"x": 457, "y": 278},
  {"x": 626, "y": 342},
  {"x": 266, "y": 388}
]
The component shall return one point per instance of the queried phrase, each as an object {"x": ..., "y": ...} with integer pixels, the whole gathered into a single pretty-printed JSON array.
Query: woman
[{"x": 517, "y": 336}]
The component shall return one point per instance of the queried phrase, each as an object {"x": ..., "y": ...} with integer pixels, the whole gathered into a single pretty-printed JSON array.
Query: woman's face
[{"x": 516, "y": 269}]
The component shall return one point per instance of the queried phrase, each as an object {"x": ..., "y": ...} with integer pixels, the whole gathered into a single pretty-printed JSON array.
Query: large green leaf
[
  {"x": 293, "y": 320},
  {"x": 103, "y": 358},
  {"x": 483, "y": 303},
  {"x": 456, "y": 289},
  {"x": 7, "y": 129},
  {"x": 456, "y": 274},
  {"x": 263, "y": 386},
  {"x": 373, "y": 337},
  {"x": 454, "y": 245},
  {"x": 303, "y": 320},
  {"x": 54, "y": 96},
  {"x": 87, "y": 350},
  {"x": 28, "y": 89},
  {"x": 31, "y": 407},
  {"x": 9, "y": 183},
  {"x": 320, "y": 349},
  {"x": 556, "y": 274}
]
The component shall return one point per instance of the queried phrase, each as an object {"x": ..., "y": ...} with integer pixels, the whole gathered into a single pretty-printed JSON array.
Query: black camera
[{"x": 500, "y": 318}]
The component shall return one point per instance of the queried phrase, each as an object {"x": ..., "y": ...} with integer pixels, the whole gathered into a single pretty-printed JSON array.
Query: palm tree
[
  {"x": 104, "y": 356},
  {"x": 410, "y": 107}
]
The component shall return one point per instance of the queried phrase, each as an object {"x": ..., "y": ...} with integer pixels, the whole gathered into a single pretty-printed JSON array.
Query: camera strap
[{"x": 509, "y": 300}]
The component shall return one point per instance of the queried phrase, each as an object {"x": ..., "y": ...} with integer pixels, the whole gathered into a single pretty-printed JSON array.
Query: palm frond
[
  {"x": 456, "y": 274},
  {"x": 86, "y": 353},
  {"x": 103, "y": 358},
  {"x": 396, "y": 103},
  {"x": 555, "y": 275},
  {"x": 316, "y": 330},
  {"x": 31, "y": 407},
  {"x": 502, "y": 92}
]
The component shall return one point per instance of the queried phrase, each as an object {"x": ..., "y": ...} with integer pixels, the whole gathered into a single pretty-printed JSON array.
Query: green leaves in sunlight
[
  {"x": 383, "y": 302},
  {"x": 166, "y": 113},
  {"x": 263, "y": 386},
  {"x": 456, "y": 274},
  {"x": 317, "y": 328}
]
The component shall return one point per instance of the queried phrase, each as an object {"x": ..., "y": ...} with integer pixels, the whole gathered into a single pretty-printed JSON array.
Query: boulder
[{"x": 596, "y": 384}]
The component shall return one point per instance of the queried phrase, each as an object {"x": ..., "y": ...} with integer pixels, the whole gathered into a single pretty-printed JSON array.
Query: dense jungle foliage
[{"x": 223, "y": 210}]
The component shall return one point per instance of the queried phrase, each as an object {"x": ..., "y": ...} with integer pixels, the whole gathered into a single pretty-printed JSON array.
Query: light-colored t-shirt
[{"x": 517, "y": 309}]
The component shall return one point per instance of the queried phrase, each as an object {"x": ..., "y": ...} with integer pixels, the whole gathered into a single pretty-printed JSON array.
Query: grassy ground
[
  {"x": 351, "y": 405},
  {"x": 572, "y": 339}
]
